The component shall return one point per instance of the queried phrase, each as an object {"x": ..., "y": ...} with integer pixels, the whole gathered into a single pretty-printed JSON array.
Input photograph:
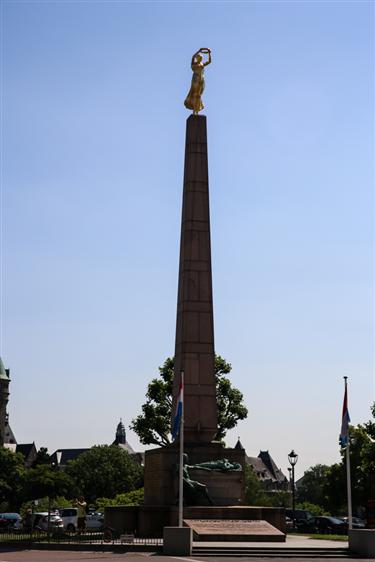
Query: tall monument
[
  {"x": 194, "y": 344},
  {"x": 213, "y": 474},
  {"x": 194, "y": 351}
]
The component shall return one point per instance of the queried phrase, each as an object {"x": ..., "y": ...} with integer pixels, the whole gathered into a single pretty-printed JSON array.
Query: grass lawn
[{"x": 342, "y": 538}]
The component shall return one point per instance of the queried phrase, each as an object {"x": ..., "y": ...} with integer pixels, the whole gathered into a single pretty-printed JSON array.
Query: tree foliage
[
  {"x": 42, "y": 457},
  {"x": 104, "y": 471},
  {"x": 326, "y": 485},
  {"x": 12, "y": 478},
  {"x": 312, "y": 488},
  {"x": 255, "y": 493},
  {"x": 154, "y": 423},
  {"x": 131, "y": 498},
  {"x": 43, "y": 480}
]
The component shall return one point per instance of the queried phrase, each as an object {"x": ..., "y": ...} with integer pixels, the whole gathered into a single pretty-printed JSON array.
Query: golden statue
[{"x": 194, "y": 97}]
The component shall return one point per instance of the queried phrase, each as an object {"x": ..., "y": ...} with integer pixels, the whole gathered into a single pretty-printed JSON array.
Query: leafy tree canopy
[
  {"x": 43, "y": 480},
  {"x": 42, "y": 457},
  {"x": 104, "y": 471},
  {"x": 326, "y": 485},
  {"x": 312, "y": 487},
  {"x": 154, "y": 423},
  {"x": 131, "y": 498},
  {"x": 12, "y": 477}
]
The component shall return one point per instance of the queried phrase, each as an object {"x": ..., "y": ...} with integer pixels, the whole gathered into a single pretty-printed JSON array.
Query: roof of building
[
  {"x": 239, "y": 445},
  {"x": 259, "y": 468},
  {"x": 25, "y": 448},
  {"x": 126, "y": 447},
  {"x": 63, "y": 456},
  {"x": 270, "y": 464},
  {"x": 4, "y": 373},
  {"x": 265, "y": 467}
]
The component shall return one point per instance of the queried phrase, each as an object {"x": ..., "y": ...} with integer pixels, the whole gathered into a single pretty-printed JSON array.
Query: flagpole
[
  {"x": 181, "y": 473},
  {"x": 348, "y": 479}
]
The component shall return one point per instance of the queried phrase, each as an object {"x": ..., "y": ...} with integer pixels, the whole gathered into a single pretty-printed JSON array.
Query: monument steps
[{"x": 271, "y": 552}]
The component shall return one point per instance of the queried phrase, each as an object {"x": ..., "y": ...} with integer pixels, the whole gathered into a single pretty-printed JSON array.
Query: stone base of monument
[
  {"x": 237, "y": 530},
  {"x": 177, "y": 541},
  {"x": 149, "y": 521},
  {"x": 362, "y": 542}
]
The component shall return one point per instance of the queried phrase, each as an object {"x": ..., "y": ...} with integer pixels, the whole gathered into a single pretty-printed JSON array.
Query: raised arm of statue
[{"x": 208, "y": 52}]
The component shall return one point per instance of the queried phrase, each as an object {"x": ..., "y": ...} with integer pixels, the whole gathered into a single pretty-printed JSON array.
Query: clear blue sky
[{"x": 93, "y": 144}]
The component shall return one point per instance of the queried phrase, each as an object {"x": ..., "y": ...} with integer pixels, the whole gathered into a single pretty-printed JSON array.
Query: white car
[
  {"x": 39, "y": 521},
  {"x": 94, "y": 521}
]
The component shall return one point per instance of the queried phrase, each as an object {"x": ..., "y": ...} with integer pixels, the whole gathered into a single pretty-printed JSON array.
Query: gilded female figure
[{"x": 194, "y": 97}]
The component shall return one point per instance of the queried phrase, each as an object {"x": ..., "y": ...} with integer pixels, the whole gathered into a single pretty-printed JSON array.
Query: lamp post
[{"x": 293, "y": 458}]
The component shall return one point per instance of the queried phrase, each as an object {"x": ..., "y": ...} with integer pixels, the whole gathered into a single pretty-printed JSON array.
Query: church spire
[{"x": 120, "y": 434}]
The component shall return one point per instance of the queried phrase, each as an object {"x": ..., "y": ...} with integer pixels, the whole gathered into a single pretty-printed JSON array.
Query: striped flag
[
  {"x": 178, "y": 414},
  {"x": 344, "y": 434}
]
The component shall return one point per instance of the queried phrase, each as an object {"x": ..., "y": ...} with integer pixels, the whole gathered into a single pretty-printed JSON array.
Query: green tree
[
  {"x": 43, "y": 504},
  {"x": 256, "y": 494},
  {"x": 131, "y": 498},
  {"x": 312, "y": 487},
  {"x": 104, "y": 471},
  {"x": 312, "y": 508},
  {"x": 42, "y": 457},
  {"x": 154, "y": 423},
  {"x": 362, "y": 463},
  {"x": 254, "y": 491},
  {"x": 43, "y": 481},
  {"x": 12, "y": 477}
]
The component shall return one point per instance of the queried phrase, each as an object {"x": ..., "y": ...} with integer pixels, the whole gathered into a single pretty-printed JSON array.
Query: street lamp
[{"x": 293, "y": 458}]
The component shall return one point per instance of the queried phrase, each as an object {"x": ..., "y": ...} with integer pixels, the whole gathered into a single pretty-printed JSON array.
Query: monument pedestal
[{"x": 148, "y": 521}]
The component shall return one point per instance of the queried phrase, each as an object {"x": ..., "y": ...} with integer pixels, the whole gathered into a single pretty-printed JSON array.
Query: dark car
[
  {"x": 330, "y": 525},
  {"x": 357, "y": 522},
  {"x": 304, "y": 521}
]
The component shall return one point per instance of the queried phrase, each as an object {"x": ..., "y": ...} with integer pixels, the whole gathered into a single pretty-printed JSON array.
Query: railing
[{"x": 107, "y": 536}]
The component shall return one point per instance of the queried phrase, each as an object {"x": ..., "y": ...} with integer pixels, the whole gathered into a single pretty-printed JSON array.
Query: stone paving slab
[
  {"x": 89, "y": 556},
  {"x": 291, "y": 542},
  {"x": 239, "y": 530}
]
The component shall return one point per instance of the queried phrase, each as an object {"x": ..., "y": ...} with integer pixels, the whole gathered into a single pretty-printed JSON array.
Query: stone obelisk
[{"x": 194, "y": 351}]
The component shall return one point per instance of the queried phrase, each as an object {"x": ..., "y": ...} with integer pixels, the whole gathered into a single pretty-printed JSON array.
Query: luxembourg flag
[
  {"x": 178, "y": 414},
  {"x": 344, "y": 434}
]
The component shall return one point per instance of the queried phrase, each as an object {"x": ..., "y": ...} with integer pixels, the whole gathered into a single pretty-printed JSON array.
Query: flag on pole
[
  {"x": 344, "y": 434},
  {"x": 178, "y": 414}
]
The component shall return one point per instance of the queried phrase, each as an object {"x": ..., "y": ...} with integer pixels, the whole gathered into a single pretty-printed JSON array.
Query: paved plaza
[{"x": 89, "y": 556}]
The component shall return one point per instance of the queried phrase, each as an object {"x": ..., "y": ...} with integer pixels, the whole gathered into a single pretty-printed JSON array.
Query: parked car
[
  {"x": 39, "y": 521},
  {"x": 288, "y": 524},
  {"x": 330, "y": 525},
  {"x": 94, "y": 521},
  {"x": 304, "y": 520},
  {"x": 357, "y": 522},
  {"x": 8, "y": 520}
]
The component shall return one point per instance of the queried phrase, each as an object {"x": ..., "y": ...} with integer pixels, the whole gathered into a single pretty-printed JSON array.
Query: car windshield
[{"x": 335, "y": 520}]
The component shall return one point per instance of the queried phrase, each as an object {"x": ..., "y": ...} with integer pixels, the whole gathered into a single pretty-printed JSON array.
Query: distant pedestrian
[
  {"x": 27, "y": 520},
  {"x": 81, "y": 514}
]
